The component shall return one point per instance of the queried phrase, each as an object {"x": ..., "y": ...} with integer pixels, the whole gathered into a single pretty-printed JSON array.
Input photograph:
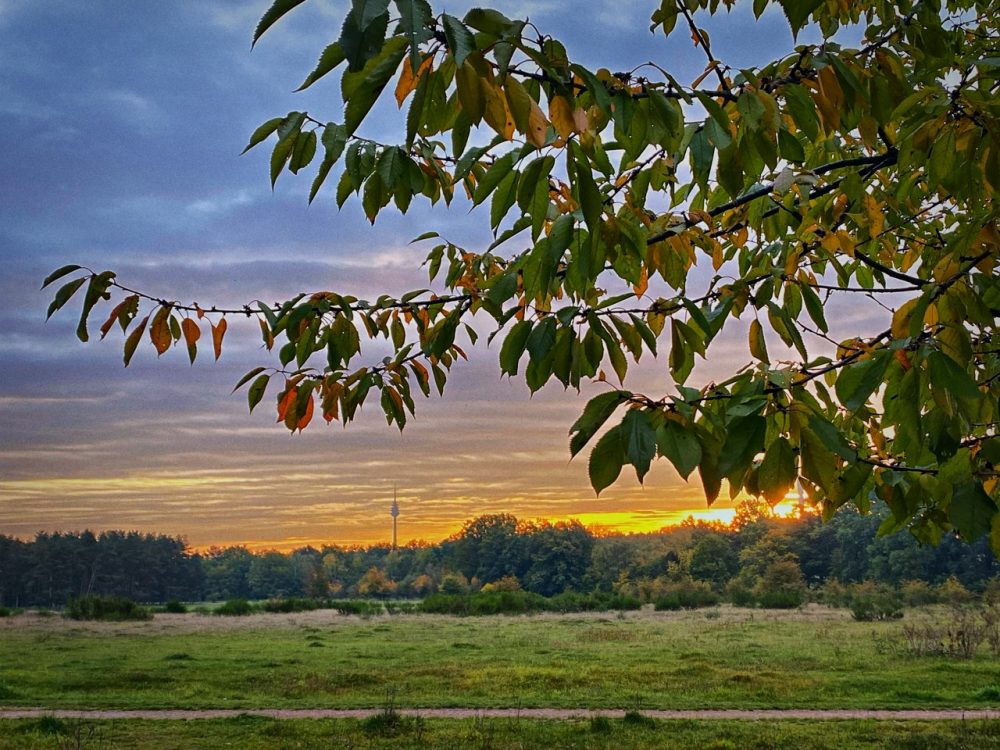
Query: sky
[{"x": 123, "y": 126}]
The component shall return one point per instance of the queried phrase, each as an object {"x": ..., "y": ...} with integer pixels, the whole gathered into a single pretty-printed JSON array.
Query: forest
[{"x": 748, "y": 558}]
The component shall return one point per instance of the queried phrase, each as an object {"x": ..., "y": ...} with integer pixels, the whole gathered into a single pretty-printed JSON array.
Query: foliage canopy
[{"x": 832, "y": 174}]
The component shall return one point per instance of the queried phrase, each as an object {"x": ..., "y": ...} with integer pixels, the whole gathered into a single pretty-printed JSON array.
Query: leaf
[
  {"x": 374, "y": 78},
  {"x": 561, "y": 115},
  {"x": 606, "y": 460},
  {"x": 858, "y": 381},
  {"x": 460, "y": 40},
  {"x": 332, "y": 56},
  {"x": 640, "y": 440},
  {"x": 133, "y": 340},
  {"x": 680, "y": 446},
  {"x": 64, "y": 294},
  {"x": 797, "y": 12},
  {"x": 513, "y": 347},
  {"x": 218, "y": 331},
  {"x": 414, "y": 21},
  {"x": 744, "y": 440},
  {"x": 777, "y": 471},
  {"x": 971, "y": 511},
  {"x": 257, "y": 390},
  {"x": 757, "y": 347},
  {"x": 948, "y": 376},
  {"x": 818, "y": 463},
  {"x": 59, "y": 273},
  {"x": 159, "y": 330},
  {"x": 191, "y": 335},
  {"x": 248, "y": 377},
  {"x": 271, "y": 16},
  {"x": 595, "y": 414}
]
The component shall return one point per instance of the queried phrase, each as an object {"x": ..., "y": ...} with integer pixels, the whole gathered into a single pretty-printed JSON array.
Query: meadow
[{"x": 718, "y": 658}]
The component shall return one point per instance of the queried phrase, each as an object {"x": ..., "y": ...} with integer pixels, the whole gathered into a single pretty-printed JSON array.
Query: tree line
[{"x": 497, "y": 552}]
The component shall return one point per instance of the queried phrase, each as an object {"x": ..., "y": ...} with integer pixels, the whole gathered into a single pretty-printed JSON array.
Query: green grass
[
  {"x": 741, "y": 659},
  {"x": 253, "y": 733}
]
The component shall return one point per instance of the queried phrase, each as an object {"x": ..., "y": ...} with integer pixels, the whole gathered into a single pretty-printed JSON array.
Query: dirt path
[{"x": 512, "y": 713}]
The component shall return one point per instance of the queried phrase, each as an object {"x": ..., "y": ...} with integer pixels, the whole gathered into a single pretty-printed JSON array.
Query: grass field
[
  {"x": 727, "y": 659},
  {"x": 252, "y": 733}
]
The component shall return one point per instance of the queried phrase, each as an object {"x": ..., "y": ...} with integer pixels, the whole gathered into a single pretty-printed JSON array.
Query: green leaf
[
  {"x": 777, "y": 471},
  {"x": 971, "y": 511},
  {"x": 248, "y": 377},
  {"x": 63, "y": 295},
  {"x": 460, "y": 40},
  {"x": 133, "y": 340},
  {"x": 858, "y": 381},
  {"x": 256, "y": 391},
  {"x": 363, "y": 33},
  {"x": 948, "y": 376},
  {"x": 513, "y": 347},
  {"x": 595, "y": 414},
  {"x": 680, "y": 446},
  {"x": 797, "y": 12},
  {"x": 744, "y": 440},
  {"x": 375, "y": 76},
  {"x": 332, "y": 56},
  {"x": 818, "y": 463},
  {"x": 414, "y": 21},
  {"x": 275, "y": 12},
  {"x": 640, "y": 440},
  {"x": 59, "y": 273},
  {"x": 606, "y": 460}
]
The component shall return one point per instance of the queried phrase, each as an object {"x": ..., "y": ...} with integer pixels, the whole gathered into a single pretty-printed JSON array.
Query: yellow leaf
[
  {"x": 901, "y": 319},
  {"x": 497, "y": 113},
  {"x": 561, "y": 114},
  {"x": 408, "y": 80},
  {"x": 538, "y": 126},
  {"x": 931, "y": 316},
  {"x": 847, "y": 243},
  {"x": 829, "y": 98},
  {"x": 757, "y": 346},
  {"x": 875, "y": 215}
]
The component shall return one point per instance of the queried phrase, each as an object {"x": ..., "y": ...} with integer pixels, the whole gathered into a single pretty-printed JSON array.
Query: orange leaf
[
  {"x": 159, "y": 331},
  {"x": 307, "y": 417},
  {"x": 643, "y": 285},
  {"x": 285, "y": 400},
  {"x": 408, "y": 80},
  {"x": 218, "y": 331},
  {"x": 191, "y": 335},
  {"x": 199, "y": 311}
]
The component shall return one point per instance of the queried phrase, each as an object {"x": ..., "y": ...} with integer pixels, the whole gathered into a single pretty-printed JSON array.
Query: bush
[
  {"x": 401, "y": 608},
  {"x": 953, "y": 592},
  {"x": 290, "y": 604},
  {"x": 740, "y": 595},
  {"x": 872, "y": 602},
  {"x": 783, "y": 599},
  {"x": 115, "y": 608},
  {"x": 175, "y": 607},
  {"x": 6, "y": 611},
  {"x": 835, "y": 594},
  {"x": 235, "y": 608},
  {"x": 917, "y": 593}
]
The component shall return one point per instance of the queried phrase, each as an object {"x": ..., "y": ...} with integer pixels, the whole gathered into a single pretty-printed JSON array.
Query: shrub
[
  {"x": 872, "y": 602},
  {"x": 401, "y": 608},
  {"x": 835, "y": 594},
  {"x": 6, "y": 611},
  {"x": 235, "y": 608},
  {"x": 953, "y": 592},
  {"x": 785, "y": 599},
  {"x": 290, "y": 604},
  {"x": 740, "y": 595},
  {"x": 175, "y": 607},
  {"x": 116, "y": 608},
  {"x": 453, "y": 583},
  {"x": 917, "y": 593},
  {"x": 781, "y": 586}
]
